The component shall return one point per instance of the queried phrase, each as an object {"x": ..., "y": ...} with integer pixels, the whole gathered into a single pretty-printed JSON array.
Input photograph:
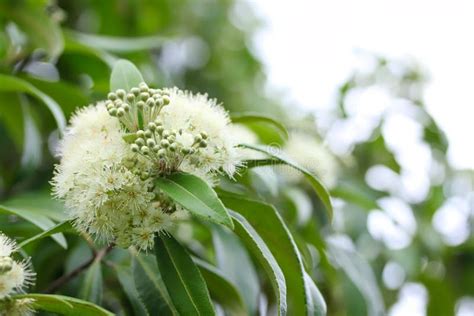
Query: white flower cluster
[
  {"x": 14, "y": 277},
  {"x": 310, "y": 153},
  {"x": 112, "y": 151}
]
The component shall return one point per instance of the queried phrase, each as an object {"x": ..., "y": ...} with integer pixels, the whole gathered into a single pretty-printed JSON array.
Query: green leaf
[
  {"x": 317, "y": 185},
  {"x": 195, "y": 195},
  {"x": 92, "y": 285},
  {"x": 358, "y": 270},
  {"x": 40, "y": 28},
  {"x": 36, "y": 218},
  {"x": 59, "y": 228},
  {"x": 72, "y": 46},
  {"x": 268, "y": 223},
  {"x": 117, "y": 44},
  {"x": 255, "y": 118},
  {"x": 10, "y": 83},
  {"x": 222, "y": 289},
  {"x": 260, "y": 250},
  {"x": 125, "y": 76},
  {"x": 124, "y": 275},
  {"x": 65, "y": 305},
  {"x": 234, "y": 261},
  {"x": 318, "y": 305},
  {"x": 182, "y": 278},
  {"x": 150, "y": 287}
]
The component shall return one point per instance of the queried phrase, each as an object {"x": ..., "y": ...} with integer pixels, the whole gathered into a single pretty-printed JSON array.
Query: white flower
[
  {"x": 14, "y": 275},
  {"x": 17, "y": 307},
  {"x": 107, "y": 183},
  {"x": 310, "y": 153}
]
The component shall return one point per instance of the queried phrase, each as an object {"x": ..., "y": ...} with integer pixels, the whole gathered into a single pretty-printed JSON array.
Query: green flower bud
[
  {"x": 166, "y": 100},
  {"x": 150, "y": 143},
  {"x": 204, "y": 135},
  {"x": 143, "y": 87},
  {"x": 118, "y": 102},
  {"x": 161, "y": 153},
  {"x": 165, "y": 134},
  {"x": 126, "y": 107},
  {"x": 197, "y": 138},
  {"x": 109, "y": 105},
  {"x": 134, "y": 148},
  {"x": 148, "y": 134},
  {"x": 121, "y": 93},
  {"x": 156, "y": 148},
  {"x": 159, "y": 101},
  {"x": 6, "y": 264},
  {"x": 203, "y": 144},
  {"x": 150, "y": 102},
  {"x": 140, "y": 142},
  {"x": 113, "y": 112},
  {"x": 171, "y": 138},
  {"x": 140, "y": 105},
  {"x": 120, "y": 112},
  {"x": 135, "y": 91},
  {"x": 185, "y": 151},
  {"x": 130, "y": 97},
  {"x": 164, "y": 143},
  {"x": 144, "y": 175},
  {"x": 140, "y": 133},
  {"x": 152, "y": 126},
  {"x": 145, "y": 150},
  {"x": 160, "y": 129},
  {"x": 144, "y": 96},
  {"x": 111, "y": 96},
  {"x": 173, "y": 147}
]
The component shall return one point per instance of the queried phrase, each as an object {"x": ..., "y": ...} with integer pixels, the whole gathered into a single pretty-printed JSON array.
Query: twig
[{"x": 58, "y": 283}]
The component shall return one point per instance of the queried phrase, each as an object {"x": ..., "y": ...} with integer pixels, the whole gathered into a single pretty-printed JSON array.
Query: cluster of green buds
[
  {"x": 6, "y": 264},
  {"x": 164, "y": 148},
  {"x": 138, "y": 107}
]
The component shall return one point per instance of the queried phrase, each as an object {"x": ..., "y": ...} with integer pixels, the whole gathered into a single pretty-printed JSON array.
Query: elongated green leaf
[
  {"x": 64, "y": 305},
  {"x": 72, "y": 46},
  {"x": 10, "y": 83},
  {"x": 124, "y": 275},
  {"x": 222, "y": 289},
  {"x": 150, "y": 287},
  {"x": 321, "y": 191},
  {"x": 125, "y": 76},
  {"x": 59, "y": 228},
  {"x": 246, "y": 118},
  {"x": 358, "y": 270},
  {"x": 195, "y": 195},
  {"x": 234, "y": 261},
  {"x": 182, "y": 278},
  {"x": 260, "y": 250},
  {"x": 319, "y": 307},
  {"x": 35, "y": 218},
  {"x": 268, "y": 223},
  {"x": 118, "y": 44},
  {"x": 41, "y": 29},
  {"x": 92, "y": 286}
]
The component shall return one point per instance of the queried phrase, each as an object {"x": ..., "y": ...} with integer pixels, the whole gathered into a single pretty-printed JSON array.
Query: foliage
[{"x": 261, "y": 243}]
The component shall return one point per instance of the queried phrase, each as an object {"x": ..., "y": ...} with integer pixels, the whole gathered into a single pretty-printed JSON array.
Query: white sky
[{"x": 309, "y": 49}]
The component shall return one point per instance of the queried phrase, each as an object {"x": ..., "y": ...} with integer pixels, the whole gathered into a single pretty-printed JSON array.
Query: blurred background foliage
[{"x": 60, "y": 53}]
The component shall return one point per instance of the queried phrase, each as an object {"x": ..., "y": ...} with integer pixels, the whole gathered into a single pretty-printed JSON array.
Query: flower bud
[
  {"x": 145, "y": 150},
  {"x": 173, "y": 147},
  {"x": 156, "y": 148},
  {"x": 148, "y": 134},
  {"x": 185, "y": 151},
  {"x": 121, "y": 93},
  {"x": 130, "y": 97},
  {"x": 204, "y": 135},
  {"x": 126, "y": 107},
  {"x": 113, "y": 112},
  {"x": 109, "y": 105},
  {"x": 203, "y": 144},
  {"x": 140, "y": 142},
  {"x": 134, "y": 148},
  {"x": 120, "y": 112},
  {"x": 165, "y": 134},
  {"x": 150, "y": 102},
  {"x": 152, "y": 126},
  {"x": 164, "y": 143},
  {"x": 118, "y": 102},
  {"x": 197, "y": 138},
  {"x": 160, "y": 129},
  {"x": 143, "y": 87},
  {"x": 150, "y": 143},
  {"x": 140, "y": 105},
  {"x": 6, "y": 264},
  {"x": 166, "y": 100},
  {"x": 144, "y": 96},
  {"x": 135, "y": 91},
  {"x": 140, "y": 133},
  {"x": 111, "y": 96},
  {"x": 162, "y": 153}
]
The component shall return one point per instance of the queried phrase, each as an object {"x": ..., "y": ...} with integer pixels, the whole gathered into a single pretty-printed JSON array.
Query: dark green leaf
[
  {"x": 255, "y": 118},
  {"x": 318, "y": 186},
  {"x": 195, "y": 195},
  {"x": 65, "y": 305},
  {"x": 59, "y": 228},
  {"x": 182, "y": 278},
  {"x": 150, "y": 287},
  {"x": 261, "y": 252},
  {"x": 92, "y": 285},
  {"x": 124, "y": 275},
  {"x": 125, "y": 76}
]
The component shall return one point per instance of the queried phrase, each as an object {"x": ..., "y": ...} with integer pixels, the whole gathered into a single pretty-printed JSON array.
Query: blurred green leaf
[
  {"x": 255, "y": 118},
  {"x": 9, "y": 83},
  {"x": 62, "y": 227},
  {"x": 124, "y": 275},
  {"x": 182, "y": 278},
  {"x": 125, "y": 76},
  {"x": 92, "y": 286},
  {"x": 196, "y": 196}
]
